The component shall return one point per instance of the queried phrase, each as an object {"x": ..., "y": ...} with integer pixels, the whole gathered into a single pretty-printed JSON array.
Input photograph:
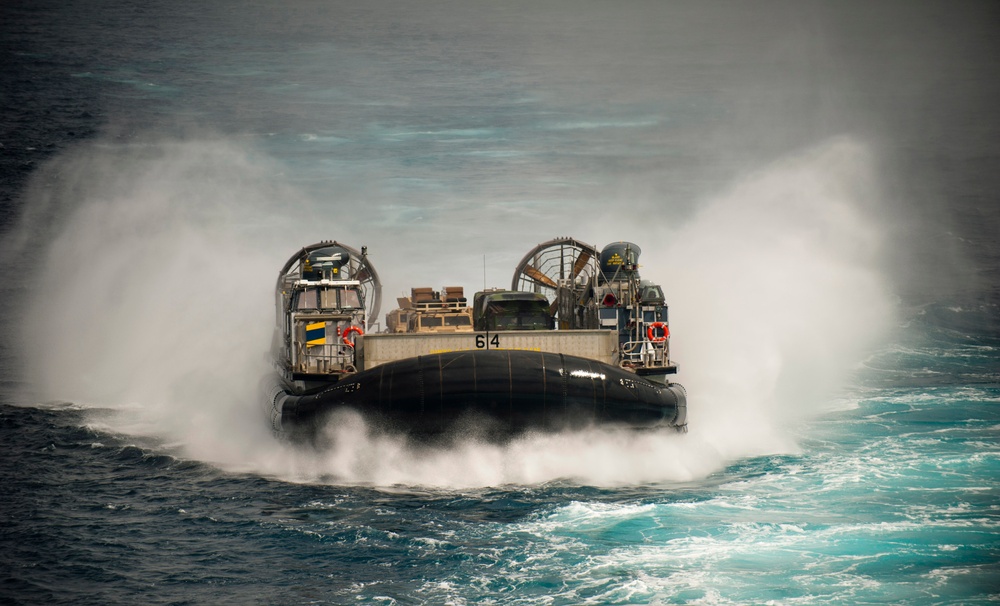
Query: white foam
[{"x": 155, "y": 297}]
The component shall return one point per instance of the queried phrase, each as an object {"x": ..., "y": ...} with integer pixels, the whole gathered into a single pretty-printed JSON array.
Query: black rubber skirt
[{"x": 508, "y": 390}]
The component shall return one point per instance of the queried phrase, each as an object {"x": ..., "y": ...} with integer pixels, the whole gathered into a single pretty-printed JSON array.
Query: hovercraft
[{"x": 579, "y": 340}]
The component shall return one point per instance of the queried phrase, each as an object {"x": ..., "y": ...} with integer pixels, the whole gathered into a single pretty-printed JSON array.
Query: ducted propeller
[{"x": 546, "y": 264}]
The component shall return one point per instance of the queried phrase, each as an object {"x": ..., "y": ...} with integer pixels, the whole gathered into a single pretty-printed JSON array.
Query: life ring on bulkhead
[
  {"x": 347, "y": 334},
  {"x": 651, "y": 332}
]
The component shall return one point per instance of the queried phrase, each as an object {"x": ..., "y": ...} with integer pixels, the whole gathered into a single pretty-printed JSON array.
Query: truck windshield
[{"x": 519, "y": 315}]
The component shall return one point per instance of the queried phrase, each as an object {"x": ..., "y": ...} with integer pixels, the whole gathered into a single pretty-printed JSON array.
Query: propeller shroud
[{"x": 557, "y": 261}]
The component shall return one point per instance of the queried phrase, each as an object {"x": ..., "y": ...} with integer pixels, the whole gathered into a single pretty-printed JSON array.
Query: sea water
[{"x": 815, "y": 187}]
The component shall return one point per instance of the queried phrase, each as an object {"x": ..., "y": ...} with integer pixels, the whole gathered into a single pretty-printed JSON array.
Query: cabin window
[
  {"x": 457, "y": 321},
  {"x": 329, "y": 298},
  {"x": 651, "y": 294},
  {"x": 306, "y": 299},
  {"x": 430, "y": 321},
  {"x": 350, "y": 299}
]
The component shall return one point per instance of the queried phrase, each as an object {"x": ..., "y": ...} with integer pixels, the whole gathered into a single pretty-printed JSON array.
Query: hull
[{"x": 505, "y": 391}]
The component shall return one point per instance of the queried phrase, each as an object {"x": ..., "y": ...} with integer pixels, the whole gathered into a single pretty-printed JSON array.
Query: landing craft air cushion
[{"x": 579, "y": 340}]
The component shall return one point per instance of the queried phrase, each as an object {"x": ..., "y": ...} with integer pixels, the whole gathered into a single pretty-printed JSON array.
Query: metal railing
[
  {"x": 324, "y": 359},
  {"x": 644, "y": 353}
]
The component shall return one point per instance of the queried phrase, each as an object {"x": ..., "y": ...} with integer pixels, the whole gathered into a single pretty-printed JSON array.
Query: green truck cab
[{"x": 511, "y": 310}]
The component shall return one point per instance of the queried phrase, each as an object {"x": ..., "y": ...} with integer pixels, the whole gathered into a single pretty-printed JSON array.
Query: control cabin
[{"x": 321, "y": 312}]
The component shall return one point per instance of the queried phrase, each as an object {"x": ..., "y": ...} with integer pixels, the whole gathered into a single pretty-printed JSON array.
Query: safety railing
[
  {"x": 324, "y": 359},
  {"x": 649, "y": 354}
]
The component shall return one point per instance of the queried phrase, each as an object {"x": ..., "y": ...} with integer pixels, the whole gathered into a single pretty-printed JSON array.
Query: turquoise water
[
  {"x": 892, "y": 497},
  {"x": 815, "y": 186}
]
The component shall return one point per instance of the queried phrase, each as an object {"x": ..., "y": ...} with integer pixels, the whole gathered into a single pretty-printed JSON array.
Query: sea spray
[
  {"x": 151, "y": 294},
  {"x": 154, "y": 298},
  {"x": 356, "y": 454},
  {"x": 776, "y": 294}
]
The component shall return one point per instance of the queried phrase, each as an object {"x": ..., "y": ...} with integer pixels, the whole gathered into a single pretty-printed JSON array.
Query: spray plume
[
  {"x": 778, "y": 295},
  {"x": 154, "y": 299}
]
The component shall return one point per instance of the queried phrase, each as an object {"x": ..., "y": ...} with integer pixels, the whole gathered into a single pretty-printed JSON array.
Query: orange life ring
[
  {"x": 347, "y": 334},
  {"x": 651, "y": 336}
]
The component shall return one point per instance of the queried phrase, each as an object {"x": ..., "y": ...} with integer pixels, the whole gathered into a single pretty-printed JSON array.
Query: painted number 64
[{"x": 482, "y": 343}]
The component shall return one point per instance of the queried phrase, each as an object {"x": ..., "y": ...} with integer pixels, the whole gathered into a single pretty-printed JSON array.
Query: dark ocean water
[{"x": 816, "y": 185}]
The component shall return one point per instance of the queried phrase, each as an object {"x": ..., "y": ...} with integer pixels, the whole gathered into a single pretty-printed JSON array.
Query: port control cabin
[{"x": 321, "y": 311}]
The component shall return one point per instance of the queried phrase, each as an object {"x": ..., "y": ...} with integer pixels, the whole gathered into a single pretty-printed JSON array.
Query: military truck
[
  {"x": 430, "y": 311},
  {"x": 498, "y": 309}
]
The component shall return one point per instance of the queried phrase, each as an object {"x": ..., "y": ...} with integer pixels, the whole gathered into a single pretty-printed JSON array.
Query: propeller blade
[
  {"x": 581, "y": 262},
  {"x": 539, "y": 277}
]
